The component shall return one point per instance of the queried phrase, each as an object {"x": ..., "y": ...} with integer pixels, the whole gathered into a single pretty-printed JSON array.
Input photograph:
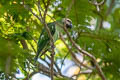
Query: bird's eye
[{"x": 69, "y": 21}]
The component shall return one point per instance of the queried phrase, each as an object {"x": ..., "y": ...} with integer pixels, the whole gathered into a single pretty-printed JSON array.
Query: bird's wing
[{"x": 44, "y": 38}]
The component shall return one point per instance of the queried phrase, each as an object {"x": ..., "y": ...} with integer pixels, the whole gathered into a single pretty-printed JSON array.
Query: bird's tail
[
  {"x": 36, "y": 57},
  {"x": 38, "y": 52}
]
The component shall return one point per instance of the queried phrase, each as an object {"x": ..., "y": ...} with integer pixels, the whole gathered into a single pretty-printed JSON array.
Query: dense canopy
[{"x": 90, "y": 51}]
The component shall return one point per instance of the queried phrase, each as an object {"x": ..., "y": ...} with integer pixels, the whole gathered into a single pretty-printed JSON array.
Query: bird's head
[{"x": 67, "y": 22}]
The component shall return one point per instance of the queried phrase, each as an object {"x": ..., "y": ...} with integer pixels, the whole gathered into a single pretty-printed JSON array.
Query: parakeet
[{"x": 55, "y": 29}]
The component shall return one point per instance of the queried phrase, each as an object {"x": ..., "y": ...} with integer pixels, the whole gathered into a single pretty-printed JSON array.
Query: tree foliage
[{"x": 96, "y": 30}]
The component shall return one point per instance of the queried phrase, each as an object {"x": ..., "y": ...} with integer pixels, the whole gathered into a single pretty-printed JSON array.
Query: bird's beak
[{"x": 71, "y": 25}]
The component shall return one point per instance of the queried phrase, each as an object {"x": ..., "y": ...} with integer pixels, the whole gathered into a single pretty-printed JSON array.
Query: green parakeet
[{"x": 55, "y": 29}]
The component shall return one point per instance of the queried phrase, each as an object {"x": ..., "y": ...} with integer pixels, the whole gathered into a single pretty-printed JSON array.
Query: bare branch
[
  {"x": 96, "y": 3},
  {"x": 51, "y": 39},
  {"x": 110, "y": 7}
]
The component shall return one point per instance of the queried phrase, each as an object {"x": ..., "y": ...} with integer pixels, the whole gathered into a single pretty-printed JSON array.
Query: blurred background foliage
[{"x": 96, "y": 31}]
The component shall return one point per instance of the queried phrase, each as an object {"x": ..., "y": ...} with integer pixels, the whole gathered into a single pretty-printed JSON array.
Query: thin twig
[
  {"x": 27, "y": 7},
  {"x": 97, "y": 4},
  {"x": 39, "y": 9},
  {"x": 55, "y": 66},
  {"x": 64, "y": 60}
]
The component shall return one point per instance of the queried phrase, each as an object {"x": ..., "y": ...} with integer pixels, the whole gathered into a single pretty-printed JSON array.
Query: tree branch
[
  {"x": 42, "y": 20},
  {"x": 23, "y": 42},
  {"x": 87, "y": 54},
  {"x": 110, "y": 7}
]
